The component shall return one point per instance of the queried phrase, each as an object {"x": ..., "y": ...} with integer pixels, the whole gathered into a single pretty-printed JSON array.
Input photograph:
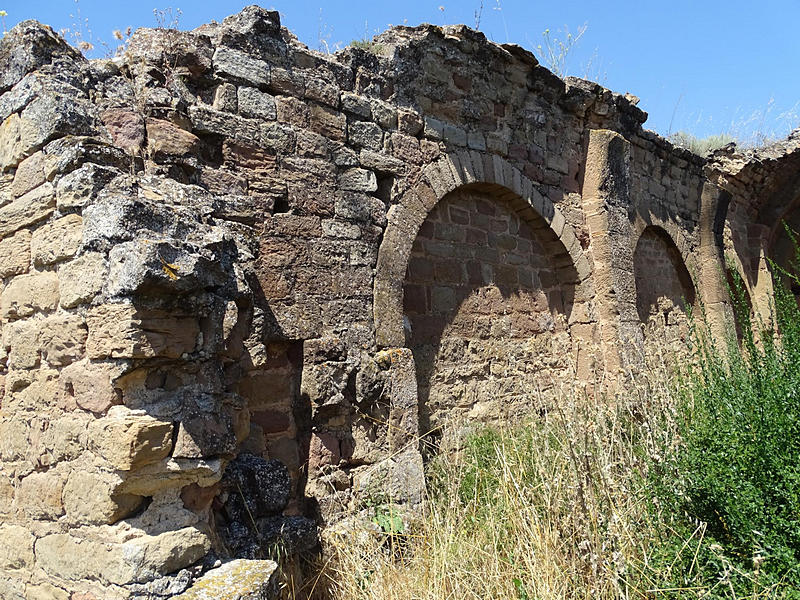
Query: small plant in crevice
[
  {"x": 556, "y": 50},
  {"x": 3, "y": 15}
]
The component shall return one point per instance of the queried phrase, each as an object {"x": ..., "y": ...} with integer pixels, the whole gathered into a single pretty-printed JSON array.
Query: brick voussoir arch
[{"x": 448, "y": 173}]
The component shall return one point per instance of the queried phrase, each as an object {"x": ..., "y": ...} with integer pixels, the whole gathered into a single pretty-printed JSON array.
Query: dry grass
[{"x": 552, "y": 509}]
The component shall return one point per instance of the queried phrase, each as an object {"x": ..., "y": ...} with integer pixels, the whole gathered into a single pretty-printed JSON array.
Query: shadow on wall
[
  {"x": 664, "y": 287},
  {"x": 486, "y": 310}
]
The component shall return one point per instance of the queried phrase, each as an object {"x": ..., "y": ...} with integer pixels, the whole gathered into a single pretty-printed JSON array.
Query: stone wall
[
  {"x": 487, "y": 317},
  {"x": 241, "y": 279}
]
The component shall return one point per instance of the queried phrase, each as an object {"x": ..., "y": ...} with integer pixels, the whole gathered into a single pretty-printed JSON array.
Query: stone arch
[
  {"x": 675, "y": 236},
  {"x": 484, "y": 171},
  {"x": 661, "y": 300}
]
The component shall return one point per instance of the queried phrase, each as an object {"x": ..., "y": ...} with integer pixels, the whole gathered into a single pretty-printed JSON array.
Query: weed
[
  {"x": 556, "y": 50},
  {"x": 729, "y": 498}
]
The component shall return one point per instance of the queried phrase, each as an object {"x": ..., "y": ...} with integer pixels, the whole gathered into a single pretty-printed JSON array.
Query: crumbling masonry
[{"x": 240, "y": 279}]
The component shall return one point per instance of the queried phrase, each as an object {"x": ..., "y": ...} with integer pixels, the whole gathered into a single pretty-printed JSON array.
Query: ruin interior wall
[{"x": 240, "y": 279}]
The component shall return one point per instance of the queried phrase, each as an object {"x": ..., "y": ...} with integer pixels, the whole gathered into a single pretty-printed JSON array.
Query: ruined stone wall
[{"x": 241, "y": 280}]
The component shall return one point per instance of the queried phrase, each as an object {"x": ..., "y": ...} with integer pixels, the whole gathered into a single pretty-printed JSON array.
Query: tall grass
[{"x": 548, "y": 510}]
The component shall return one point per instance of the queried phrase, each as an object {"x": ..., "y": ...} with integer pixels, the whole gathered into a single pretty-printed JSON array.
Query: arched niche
[
  {"x": 455, "y": 193},
  {"x": 486, "y": 310},
  {"x": 466, "y": 168},
  {"x": 664, "y": 287}
]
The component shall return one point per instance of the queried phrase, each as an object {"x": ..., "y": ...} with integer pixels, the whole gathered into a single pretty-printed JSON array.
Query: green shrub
[{"x": 731, "y": 494}]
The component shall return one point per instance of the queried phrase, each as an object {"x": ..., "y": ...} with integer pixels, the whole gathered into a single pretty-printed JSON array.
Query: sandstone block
[
  {"x": 78, "y": 559},
  {"x": 238, "y": 65},
  {"x": 165, "y": 139},
  {"x": 57, "y": 241},
  {"x": 36, "y": 205},
  {"x": 165, "y": 553},
  {"x": 126, "y": 128},
  {"x": 91, "y": 384},
  {"x": 172, "y": 473},
  {"x": 328, "y": 122},
  {"x": 365, "y": 134},
  {"x": 91, "y": 498},
  {"x": 45, "y": 591},
  {"x": 39, "y": 495},
  {"x": 121, "y": 331},
  {"x": 235, "y": 580},
  {"x": 81, "y": 279},
  {"x": 67, "y": 435},
  {"x": 15, "y": 254},
  {"x": 63, "y": 339},
  {"x": 21, "y": 339},
  {"x": 129, "y": 440},
  {"x": 27, "y": 294},
  {"x": 16, "y": 547},
  {"x": 6, "y": 495},
  {"x": 358, "y": 180},
  {"x": 256, "y": 104},
  {"x": 29, "y": 175}
]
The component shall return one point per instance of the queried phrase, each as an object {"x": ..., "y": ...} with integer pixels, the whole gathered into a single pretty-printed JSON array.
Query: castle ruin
[{"x": 240, "y": 280}]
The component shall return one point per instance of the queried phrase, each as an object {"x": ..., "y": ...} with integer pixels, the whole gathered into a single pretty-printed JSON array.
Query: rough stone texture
[
  {"x": 241, "y": 278},
  {"x": 235, "y": 580}
]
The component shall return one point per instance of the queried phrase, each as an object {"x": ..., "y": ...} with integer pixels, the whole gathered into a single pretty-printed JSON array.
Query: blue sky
[{"x": 703, "y": 66}]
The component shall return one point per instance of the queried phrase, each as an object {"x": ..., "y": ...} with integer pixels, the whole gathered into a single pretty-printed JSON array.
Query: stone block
[
  {"x": 29, "y": 175},
  {"x": 127, "y": 128},
  {"x": 57, "y": 241},
  {"x": 358, "y": 180},
  {"x": 165, "y": 140},
  {"x": 320, "y": 90},
  {"x": 39, "y": 495},
  {"x": 90, "y": 498},
  {"x": 91, "y": 385},
  {"x": 171, "y": 474},
  {"x": 238, "y": 579},
  {"x": 46, "y": 117},
  {"x": 327, "y": 122},
  {"x": 35, "y": 206},
  {"x": 15, "y": 254},
  {"x": 130, "y": 440},
  {"x": 16, "y": 547},
  {"x": 46, "y": 591},
  {"x": 356, "y": 104},
  {"x": 63, "y": 339},
  {"x": 256, "y": 104},
  {"x": 365, "y": 134},
  {"x": 81, "y": 279},
  {"x": 27, "y": 294},
  {"x": 122, "y": 331},
  {"x": 205, "y": 436},
  {"x": 238, "y": 65},
  {"x": 79, "y": 188},
  {"x": 21, "y": 341}
]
